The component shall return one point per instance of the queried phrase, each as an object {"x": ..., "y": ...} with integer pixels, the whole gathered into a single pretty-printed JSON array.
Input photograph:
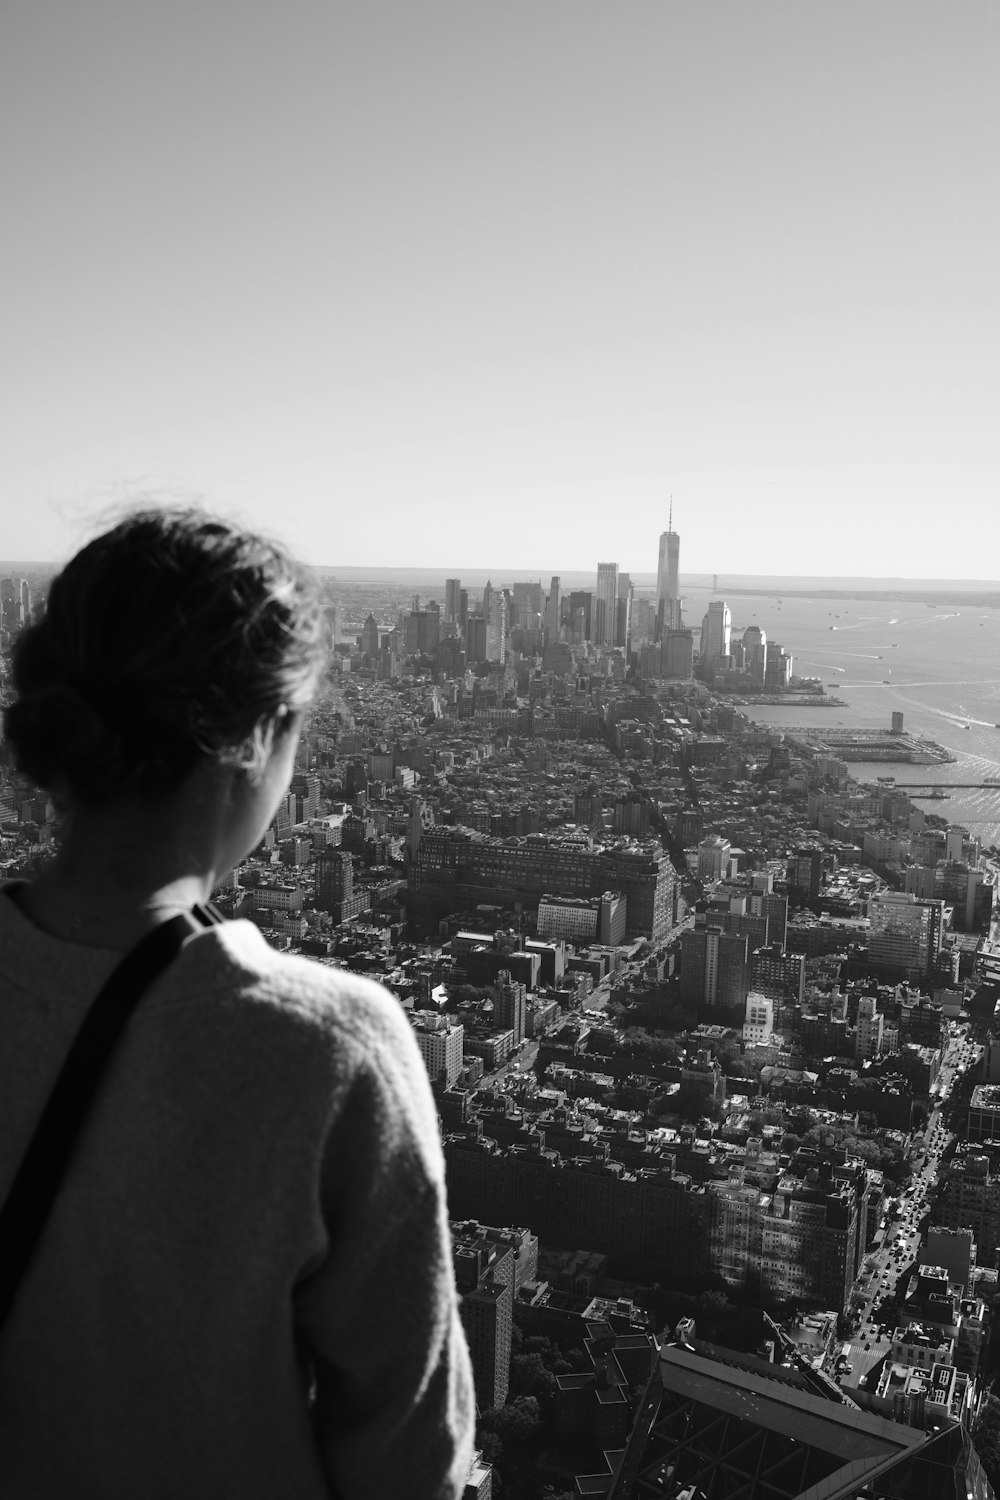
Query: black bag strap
[{"x": 34, "y": 1190}]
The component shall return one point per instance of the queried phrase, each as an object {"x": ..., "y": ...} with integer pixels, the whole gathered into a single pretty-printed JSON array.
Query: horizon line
[{"x": 693, "y": 578}]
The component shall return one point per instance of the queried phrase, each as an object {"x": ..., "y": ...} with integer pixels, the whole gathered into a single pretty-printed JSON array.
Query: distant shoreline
[
  {"x": 975, "y": 593},
  {"x": 988, "y": 600}
]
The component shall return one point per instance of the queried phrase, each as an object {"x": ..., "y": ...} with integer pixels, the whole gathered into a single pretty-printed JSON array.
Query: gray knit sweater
[{"x": 257, "y": 1200}]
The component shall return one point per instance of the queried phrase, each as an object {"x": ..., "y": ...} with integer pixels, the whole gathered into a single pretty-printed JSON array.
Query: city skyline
[{"x": 472, "y": 282}]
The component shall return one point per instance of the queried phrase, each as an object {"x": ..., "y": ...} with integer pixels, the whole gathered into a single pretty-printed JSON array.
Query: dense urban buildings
[{"x": 691, "y": 1000}]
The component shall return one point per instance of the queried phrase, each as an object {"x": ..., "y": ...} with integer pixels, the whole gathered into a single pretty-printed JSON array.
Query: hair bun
[
  {"x": 165, "y": 643},
  {"x": 60, "y": 737}
]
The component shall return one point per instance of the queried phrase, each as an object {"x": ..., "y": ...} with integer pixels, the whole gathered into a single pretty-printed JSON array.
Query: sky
[{"x": 486, "y": 283}]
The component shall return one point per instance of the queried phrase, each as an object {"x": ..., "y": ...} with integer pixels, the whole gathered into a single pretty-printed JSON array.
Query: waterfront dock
[{"x": 873, "y": 744}]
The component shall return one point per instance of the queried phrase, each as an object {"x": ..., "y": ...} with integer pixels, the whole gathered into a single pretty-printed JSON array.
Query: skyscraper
[
  {"x": 369, "y": 636},
  {"x": 497, "y": 626},
  {"x": 12, "y": 603},
  {"x": 527, "y": 604},
  {"x": 755, "y": 653},
  {"x": 452, "y": 598},
  {"x": 643, "y": 622},
  {"x": 552, "y": 612},
  {"x": 623, "y": 612},
  {"x": 715, "y": 967},
  {"x": 716, "y": 631},
  {"x": 606, "y": 601},
  {"x": 509, "y": 1005},
  {"x": 484, "y": 1275},
  {"x": 668, "y": 603},
  {"x": 583, "y": 601}
]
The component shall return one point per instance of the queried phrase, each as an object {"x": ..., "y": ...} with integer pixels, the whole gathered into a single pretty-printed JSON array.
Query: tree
[
  {"x": 530, "y": 1376},
  {"x": 514, "y": 1424},
  {"x": 738, "y": 1067},
  {"x": 986, "y": 1436},
  {"x": 489, "y": 1446}
]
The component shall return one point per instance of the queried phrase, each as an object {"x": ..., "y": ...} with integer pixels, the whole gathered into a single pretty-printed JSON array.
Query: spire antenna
[{"x": 670, "y": 523}]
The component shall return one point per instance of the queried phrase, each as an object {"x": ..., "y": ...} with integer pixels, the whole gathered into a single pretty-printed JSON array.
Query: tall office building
[
  {"x": 778, "y": 975},
  {"x": 606, "y": 601},
  {"x": 870, "y": 1032},
  {"x": 623, "y": 612},
  {"x": 805, "y": 872},
  {"x": 484, "y": 1276},
  {"x": 967, "y": 891},
  {"x": 767, "y": 903},
  {"x": 677, "y": 647},
  {"x": 422, "y": 630},
  {"x": 954, "y": 847},
  {"x": 15, "y": 603},
  {"x": 509, "y": 1005},
  {"x": 643, "y": 622},
  {"x": 527, "y": 604},
  {"x": 716, "y": 632},
  {"x": 497, "y": 625},
  {"x": 778, "y": 669},
  {"x": 755, "y": 653},
  {"x": 905, "y": 933},
  {"x": 369, "y": 636},
  {"x": 668, "y": 603},
  {"x": 475, "y": 639},
  {"x": 452, "y": 598},
  {"x": 581, "y": 616},
  {"x": 552, "y": 612},
  {"x": 715, "y": 968},
  {"x": 335, "y": 891}
]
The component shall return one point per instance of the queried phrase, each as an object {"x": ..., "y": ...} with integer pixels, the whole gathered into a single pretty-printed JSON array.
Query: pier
[
  {"x": 873, "y": 744},
  {"x": 979, "y": 786}
]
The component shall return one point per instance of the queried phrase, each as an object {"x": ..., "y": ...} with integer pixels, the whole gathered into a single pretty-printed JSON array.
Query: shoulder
[
  {"x": 235, "y": 956},
  {"x": 335, "y": 1037}
]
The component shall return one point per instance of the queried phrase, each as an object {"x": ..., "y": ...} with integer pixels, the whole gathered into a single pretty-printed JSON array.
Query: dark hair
[{"x": 172, "y": 638}]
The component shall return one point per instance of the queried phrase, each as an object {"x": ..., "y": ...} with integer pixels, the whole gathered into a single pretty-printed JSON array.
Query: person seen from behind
[{"x": 245, "y": 1286}]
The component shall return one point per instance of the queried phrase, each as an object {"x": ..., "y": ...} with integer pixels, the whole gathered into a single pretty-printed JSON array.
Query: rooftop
[{"x": 717, "y": 1427}]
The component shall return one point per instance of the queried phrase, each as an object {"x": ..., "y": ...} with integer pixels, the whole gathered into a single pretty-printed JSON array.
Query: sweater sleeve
[{"x": 395, "y": 1407}]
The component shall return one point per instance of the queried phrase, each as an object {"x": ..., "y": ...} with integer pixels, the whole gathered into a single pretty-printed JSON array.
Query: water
[{"x": 939, "y": 666}]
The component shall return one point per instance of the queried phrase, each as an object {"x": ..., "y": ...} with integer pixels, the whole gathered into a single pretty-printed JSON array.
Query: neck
[{"x": 116, "y": 877}]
